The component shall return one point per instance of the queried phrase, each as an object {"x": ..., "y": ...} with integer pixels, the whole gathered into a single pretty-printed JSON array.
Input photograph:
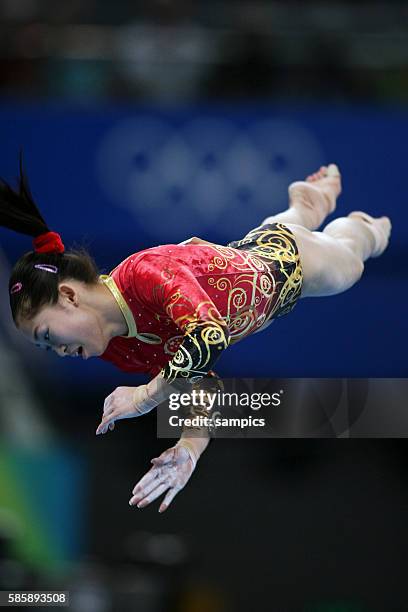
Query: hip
[{"x": 275, "y": 245}]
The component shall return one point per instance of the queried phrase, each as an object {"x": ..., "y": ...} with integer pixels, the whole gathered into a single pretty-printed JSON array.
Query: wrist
[
  {"x": 194, "y": 446},
  {"x": 142, "y": 402},
  {"x": 158, "y": 389}
]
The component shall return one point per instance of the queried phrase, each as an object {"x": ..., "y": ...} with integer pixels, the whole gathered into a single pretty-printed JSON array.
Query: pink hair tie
[
  {"x": 16, "y": 288},
  {"x": 47, "y": 268}
]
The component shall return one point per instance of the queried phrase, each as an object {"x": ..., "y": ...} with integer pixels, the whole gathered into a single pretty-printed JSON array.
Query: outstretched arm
[{"x": 174, "y": 467}]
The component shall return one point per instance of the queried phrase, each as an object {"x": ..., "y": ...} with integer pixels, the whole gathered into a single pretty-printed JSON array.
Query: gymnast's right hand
[{"x": 124, "y": 403}]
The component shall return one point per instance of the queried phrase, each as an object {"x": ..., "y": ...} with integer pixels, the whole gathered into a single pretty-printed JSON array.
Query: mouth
[
  {"x": 79, "y": 352},
  {"x": 82, "y": 353}
]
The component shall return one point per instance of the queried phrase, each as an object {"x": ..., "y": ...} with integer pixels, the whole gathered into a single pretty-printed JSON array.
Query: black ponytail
[
  {"x": 31, "y": 288},
  {"x": 18, "y": 211}
]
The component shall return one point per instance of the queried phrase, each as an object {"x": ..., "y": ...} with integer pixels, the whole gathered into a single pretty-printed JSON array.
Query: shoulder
[
  {"x": 144, "y": 275},
  {"x": 158, "y": 252},
  {"x": 125, "y": 271}
]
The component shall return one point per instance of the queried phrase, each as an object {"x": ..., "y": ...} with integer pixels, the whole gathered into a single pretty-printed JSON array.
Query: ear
[{"x": 68, "y": 293}]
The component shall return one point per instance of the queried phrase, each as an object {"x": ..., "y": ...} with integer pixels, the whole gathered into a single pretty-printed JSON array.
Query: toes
[
  {"x": 316, "y": 176},
  {"x": 386, "y": 222},
  {"x": 333, "y": 170}
]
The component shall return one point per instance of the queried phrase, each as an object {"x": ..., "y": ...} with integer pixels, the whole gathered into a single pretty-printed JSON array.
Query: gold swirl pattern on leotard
[
  {"x": 276, "y": 245},
  {"x": 248, "y": 299},
  {"x": 198, "y": 352},
  {"x": 271, "y": 252},
  {"x": 205, "y": 332},
  {"x": 249, "y": 282}
]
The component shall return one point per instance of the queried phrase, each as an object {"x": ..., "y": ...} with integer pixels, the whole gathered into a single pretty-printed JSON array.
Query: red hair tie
[{"x": 50, "y": 242}]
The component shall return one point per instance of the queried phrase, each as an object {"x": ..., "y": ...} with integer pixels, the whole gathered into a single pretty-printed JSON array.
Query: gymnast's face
[{"x": 71, "y": 327}]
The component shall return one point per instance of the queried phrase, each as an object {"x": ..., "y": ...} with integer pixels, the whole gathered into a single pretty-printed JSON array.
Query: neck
[{"x": 113, "y": 320}]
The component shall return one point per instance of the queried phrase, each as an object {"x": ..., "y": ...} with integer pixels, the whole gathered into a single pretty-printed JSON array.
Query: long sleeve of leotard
[{"x": 171, "y": 290}]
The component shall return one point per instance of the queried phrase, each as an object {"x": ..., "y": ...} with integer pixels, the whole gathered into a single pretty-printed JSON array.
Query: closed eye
[{"x": 47, "y": 339}]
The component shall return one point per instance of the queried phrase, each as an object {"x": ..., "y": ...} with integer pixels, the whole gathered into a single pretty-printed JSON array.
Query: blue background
[{"x": 105, "y": 178}]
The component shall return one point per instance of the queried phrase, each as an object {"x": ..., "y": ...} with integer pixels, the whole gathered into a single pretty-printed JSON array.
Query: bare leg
[
  {"x": 312, "y": 200},
  {"x": 333, "y": 260}
]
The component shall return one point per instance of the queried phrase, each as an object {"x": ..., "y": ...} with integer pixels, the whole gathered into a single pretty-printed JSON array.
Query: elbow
[{"x": 227, "y": 335}]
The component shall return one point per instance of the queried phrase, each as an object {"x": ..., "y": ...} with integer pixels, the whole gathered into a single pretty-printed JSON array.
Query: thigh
[{"x": 329, "y": 266}]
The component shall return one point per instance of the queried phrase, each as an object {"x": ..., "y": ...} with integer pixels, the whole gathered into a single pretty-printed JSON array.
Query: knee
[
  {"x": 359, "y": 268},
  {"x": 348, "y": 274},
  {"x": 330, "y": 266},
  {"x": 356, "y": 269},
  {"x": 339, "y": 228}
]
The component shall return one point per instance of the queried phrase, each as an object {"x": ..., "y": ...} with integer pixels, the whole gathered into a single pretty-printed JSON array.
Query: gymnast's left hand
[{"x": 170, "y": 472}]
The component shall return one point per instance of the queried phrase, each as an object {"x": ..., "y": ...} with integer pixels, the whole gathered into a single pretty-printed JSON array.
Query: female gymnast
[{"x": 172, "y": 310}]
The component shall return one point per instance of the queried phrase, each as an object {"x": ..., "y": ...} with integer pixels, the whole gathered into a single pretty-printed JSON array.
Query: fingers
[
  {"x": 119, "y": 405},
  {"x": 152, "y": 491},
  {"x": 142, "y": 490},
  {"x": 105, "y": 424},
  {"x": 108, "y": 417},
  {"x": 109, "y": 420},
  {"x": 171, "y": 494},
  {"x": 108, "y": 423},
  {"x": 147, "y": 499},
  {"x": 167, "y": 474},
  {"x": 151, "y": 475},
  {"x": 107, "y": 405}
]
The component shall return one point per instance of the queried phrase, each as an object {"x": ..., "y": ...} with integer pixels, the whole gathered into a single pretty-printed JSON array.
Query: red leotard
[{"x": 185, "y": 303}]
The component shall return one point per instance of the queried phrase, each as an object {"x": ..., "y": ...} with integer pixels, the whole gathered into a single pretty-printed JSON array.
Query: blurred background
[{"x": 147, "y": 123}]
